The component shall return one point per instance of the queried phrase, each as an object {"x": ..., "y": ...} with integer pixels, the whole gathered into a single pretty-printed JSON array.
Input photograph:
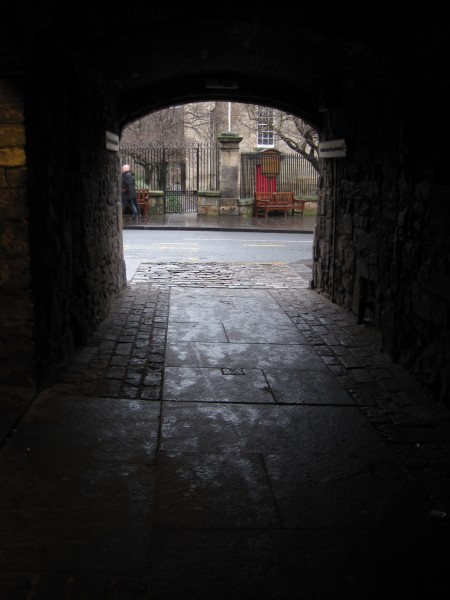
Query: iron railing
[
  {"x": 178, "y": 172},
  {"x": 296, "y": 175}
]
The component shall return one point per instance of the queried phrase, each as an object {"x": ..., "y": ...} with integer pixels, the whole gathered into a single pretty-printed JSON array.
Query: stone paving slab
[
  {"x": 306, "y": 387},
  {"x": 191, "y": 331},
  {"x": 14, "y": 402},
  {"x": 322, "y": 564},
  {"x": 246, "y": 356},
  {"x": 325, "y": 467},
  {"x": 256, "y": 331},
  {"x": 266, "y": 428},
  {"x": 118, "y": 482},
  {"x": 187, "y": 384},
  {"x": 108, "y": 430},
  {"x": 214, "y": 490},
  {"x": 78, "y": 482},
  {"x": 346, "y": 490},
  {"x": 105, "y": 541}
]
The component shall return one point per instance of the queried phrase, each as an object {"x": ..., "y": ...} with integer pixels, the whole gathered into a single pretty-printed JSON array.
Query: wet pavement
[
  {"x": 226, "y": 434},
  {"x": 290, "y": 223}
]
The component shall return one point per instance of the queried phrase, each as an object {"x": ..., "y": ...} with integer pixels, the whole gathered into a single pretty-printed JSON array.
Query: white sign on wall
[
  {"x": 332, "y": 149},
  {"x": 112, "y": 141}
]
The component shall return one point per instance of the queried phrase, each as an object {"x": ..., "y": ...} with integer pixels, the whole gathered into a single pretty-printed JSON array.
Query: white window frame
[{"x": 264, "y": 127}]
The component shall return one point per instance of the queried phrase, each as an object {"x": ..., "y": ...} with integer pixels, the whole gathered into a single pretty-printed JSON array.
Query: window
[{"x": 265, "y": 126}]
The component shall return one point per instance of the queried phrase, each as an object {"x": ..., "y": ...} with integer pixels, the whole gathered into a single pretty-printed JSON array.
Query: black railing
[
  {"x": 296, "y": 175},
  {"x": 181, "y": 172},
  {"x": 178, "y": 172}
]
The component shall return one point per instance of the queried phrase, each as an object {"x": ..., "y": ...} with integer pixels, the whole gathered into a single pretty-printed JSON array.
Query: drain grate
[{"x": 233, "y": 371}]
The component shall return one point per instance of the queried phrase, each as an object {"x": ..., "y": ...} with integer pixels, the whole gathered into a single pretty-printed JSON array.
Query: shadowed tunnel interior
[{"x": 363, "y": 75}]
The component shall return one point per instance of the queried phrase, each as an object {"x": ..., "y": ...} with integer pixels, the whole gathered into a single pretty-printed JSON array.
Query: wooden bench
[
  {"x": 266, "y": 202},
  {"x": 142, "y": 202}
]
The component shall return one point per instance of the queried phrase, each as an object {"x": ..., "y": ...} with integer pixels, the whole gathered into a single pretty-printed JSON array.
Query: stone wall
[
  {"x": 67, "y": 219},
  {"x": 75, "y": 214},
  {"x": 17, "y": 365},
  {"x": 383, "y": 244}
]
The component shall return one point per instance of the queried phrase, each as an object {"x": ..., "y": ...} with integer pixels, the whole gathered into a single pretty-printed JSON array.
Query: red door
[{"x": 263, "y": 183}]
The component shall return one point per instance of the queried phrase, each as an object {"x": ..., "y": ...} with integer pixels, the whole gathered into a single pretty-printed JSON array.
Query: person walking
[{"x": 129, "y": 194}]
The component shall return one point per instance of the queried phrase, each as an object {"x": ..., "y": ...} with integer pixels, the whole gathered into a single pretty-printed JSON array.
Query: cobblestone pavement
[
  {"x": 126, "y": 357},
  {"x": 118, "y": 379},
  {"x": 231, "y": 275}
]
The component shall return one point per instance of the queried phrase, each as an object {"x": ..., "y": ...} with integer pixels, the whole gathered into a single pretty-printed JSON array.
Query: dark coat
[{"x": 128, "y": 187}]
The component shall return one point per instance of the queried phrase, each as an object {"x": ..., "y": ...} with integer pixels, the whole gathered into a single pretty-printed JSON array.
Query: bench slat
[{"x": 271, "y": 201}]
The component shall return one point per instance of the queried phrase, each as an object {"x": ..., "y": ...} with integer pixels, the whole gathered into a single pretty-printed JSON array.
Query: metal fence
[
  {"x": 178, "y": 172},
  {"x": 296, "y": 174},
  {"x": 181, "y": 172}
]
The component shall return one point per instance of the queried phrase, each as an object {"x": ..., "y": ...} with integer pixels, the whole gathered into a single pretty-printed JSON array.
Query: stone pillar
[
  {"x": 155, "y": 202},
  {"x": 229, "y": 172},
  {"x": 246, "y": 207},
  {"x": 208, "y": 203}
]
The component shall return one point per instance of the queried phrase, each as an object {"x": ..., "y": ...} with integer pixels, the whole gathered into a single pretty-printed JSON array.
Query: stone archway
[{"x": 390, "y": 221}]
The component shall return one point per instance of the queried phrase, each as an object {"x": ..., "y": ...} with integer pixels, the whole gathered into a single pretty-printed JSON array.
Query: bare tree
[
  {"x": 199, "y": 122},
  {"x": 174, "y": 127},
  {"x": 161, "y": 128},
  {"x": 190, "y": 124},
  {"x": 293, "y": 131},
  {"x": 298, "y": 136}
]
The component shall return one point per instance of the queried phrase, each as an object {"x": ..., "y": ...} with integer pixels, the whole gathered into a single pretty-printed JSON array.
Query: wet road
[{"x": 206, "y": 246}]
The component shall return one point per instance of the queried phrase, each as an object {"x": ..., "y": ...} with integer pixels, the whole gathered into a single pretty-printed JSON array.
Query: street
[{"x": 220, "y": 246}]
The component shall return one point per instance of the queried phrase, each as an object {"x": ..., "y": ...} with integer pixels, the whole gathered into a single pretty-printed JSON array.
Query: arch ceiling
[{"x": 149, "y": 56}]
